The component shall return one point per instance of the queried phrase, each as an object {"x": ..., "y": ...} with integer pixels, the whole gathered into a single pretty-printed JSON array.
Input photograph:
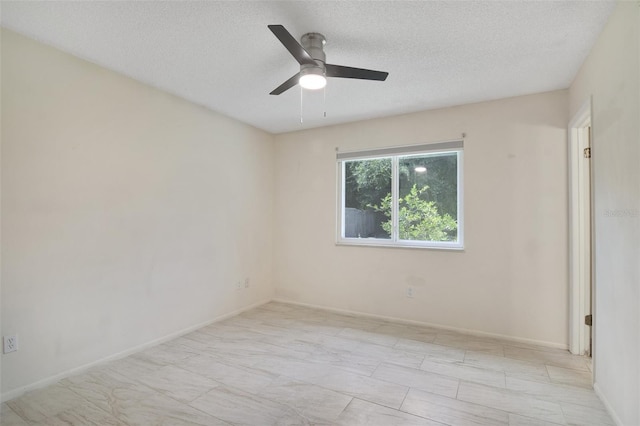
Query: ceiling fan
[{"x": 313, "y": 67}]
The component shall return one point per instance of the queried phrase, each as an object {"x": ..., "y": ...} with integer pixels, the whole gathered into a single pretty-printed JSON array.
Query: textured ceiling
[{"x": 221, "y": 54}]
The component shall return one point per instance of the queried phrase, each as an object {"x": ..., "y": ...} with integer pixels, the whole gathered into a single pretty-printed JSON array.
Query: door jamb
[{"x": 577, "y": 266}]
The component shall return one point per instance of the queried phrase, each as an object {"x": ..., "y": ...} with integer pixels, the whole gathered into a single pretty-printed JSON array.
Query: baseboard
[
  {"x": 14, "y": 393},
  {"x": 427, "y": 324},
  {"x": 607, "y": 405}
]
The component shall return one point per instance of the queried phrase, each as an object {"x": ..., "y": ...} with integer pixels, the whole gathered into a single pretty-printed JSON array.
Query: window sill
[{"x": 364, "y": 242}]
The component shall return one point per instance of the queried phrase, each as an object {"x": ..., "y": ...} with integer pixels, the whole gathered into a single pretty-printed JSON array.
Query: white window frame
[{"x": 395, "y": 153}]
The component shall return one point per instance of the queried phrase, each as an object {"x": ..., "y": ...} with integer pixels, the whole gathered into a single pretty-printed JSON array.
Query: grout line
[{"x": 403, "y": 398}]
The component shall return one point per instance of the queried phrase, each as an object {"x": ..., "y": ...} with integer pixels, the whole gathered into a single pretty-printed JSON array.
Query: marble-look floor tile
[
  {"x": 232, "y": 332},
  {"x": 268, "y": 331},
  {"x": 430, "y": 350},
  {"x": 251, "y": 380},
  {"x": 305, "y": 347},
  {"x": 40, "y": 404},
  {"x": 238, "y": 407},
  {"x": 300, "y": 348},
  {"x": 138, "y": 405},
  {"x": 330, "y": 342},
  {"x": 299, "y": 325},
  {"x": 84, "y": 415},
  {"x": 241, "y": 321},
  {"x": 532, "y": 346},
  {"x": 403, "y": 331},
  {"x": 363, "y": 387},
  {"x": 417, "y": 379},
  {"x": 229, "y": 347},
  {"x": 106, "y": 376},
  {"x": 261, "y": 315},
  {"x": 367, "y": 414},
  {"x": 390, "y": 355},
  {"x": 511, "y": 367},
  {"x": 198, "y": 347},
  {"x": 554, "y": 392},
  {"x": 178, "y": 383},
  {"x": 250, "y": 351},
  {"x": 465, "y": 372},
  {"x": 279, "y": 307},
  {"x": 369, "y": 337},
  {"x": 312, "y": 402},
  {"x": 517, "y": 420},
  {"x": 510, "y": 401},
  {"x": 166, "y": 353},
  {"x": 556, "y": 358},
  {"x": 348, "y": 361},
  {"x": 356, "y": 323},
  {"x": 467, "y": 342},
  {"x": 305, "y": 371},
  {"x": 133, "y": 403},
  {"x": 568, "y": 376},
  {"x": 206, "y": 339},
  {"x": 451, "y": 411},
  {"x": 579, "y": 415},
  {"x": 182, "y": 350},
  {"x": 133, "y": 366},
  {"x": 8, "y": 417}
]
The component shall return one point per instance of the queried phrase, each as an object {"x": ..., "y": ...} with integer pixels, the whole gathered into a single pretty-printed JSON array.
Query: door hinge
[
  {"x": 587, "y": 153},
  {"x": 588, "y": 319}
]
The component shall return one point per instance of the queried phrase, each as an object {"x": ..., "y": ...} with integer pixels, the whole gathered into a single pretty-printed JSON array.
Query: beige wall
[
  {"x": 511, "y": 280},
  {"x": 127, "y": 214},
  {"x": 611, "y": 75}
]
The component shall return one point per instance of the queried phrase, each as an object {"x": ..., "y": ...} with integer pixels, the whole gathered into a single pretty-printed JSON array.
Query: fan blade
[
  {"x": 286, "y": 85},
  {"x": 359, "y": 73},
  {"x": 298, "y": 52}
]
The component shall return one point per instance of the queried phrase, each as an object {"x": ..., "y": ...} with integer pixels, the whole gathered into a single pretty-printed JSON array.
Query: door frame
[{"x": 581, "y": 294}]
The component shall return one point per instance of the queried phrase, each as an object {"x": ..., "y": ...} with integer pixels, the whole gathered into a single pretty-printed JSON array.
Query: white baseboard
[
  {"x": 607, "y": 405},
  {"x": 427, "y": 324},
  {"x": 14, "y": 393}
]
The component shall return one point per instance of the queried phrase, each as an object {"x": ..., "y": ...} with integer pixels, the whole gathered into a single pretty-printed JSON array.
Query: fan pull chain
[
  {"x": 324, "y": 101},
  {"x": 301, "y": 90}
]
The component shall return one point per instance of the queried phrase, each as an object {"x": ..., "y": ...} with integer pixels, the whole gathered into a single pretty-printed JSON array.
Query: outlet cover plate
[{"x": 10, "y": 344}]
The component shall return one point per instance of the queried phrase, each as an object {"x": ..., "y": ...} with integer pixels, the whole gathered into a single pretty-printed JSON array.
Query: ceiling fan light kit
[
  {"x": 312, "y": 79},
  {"x": 313, "y": 67}
]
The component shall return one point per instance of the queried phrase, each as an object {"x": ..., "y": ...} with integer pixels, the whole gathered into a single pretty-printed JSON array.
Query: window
[{"x": 404, "y": 196}]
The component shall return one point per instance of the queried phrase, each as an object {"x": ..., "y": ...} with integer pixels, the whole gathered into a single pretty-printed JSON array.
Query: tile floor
[{"x": 289, "y": 365}]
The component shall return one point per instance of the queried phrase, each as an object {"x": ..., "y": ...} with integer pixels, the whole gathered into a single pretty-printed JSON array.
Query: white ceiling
[{"x": 221, "y": 54}]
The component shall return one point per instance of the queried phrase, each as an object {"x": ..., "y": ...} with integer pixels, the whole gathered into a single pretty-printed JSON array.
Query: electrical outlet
[
  {"x": 238, "y": 285},
  {"x": 409, "y": 291},
  {"x": 10, "y": 344},
  {"x": 247, "y": 283}
]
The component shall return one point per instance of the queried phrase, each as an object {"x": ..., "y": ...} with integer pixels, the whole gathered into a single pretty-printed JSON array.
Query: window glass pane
[
  {"x": 428, "y": 198},
  {"x": 367, "y": 198}
]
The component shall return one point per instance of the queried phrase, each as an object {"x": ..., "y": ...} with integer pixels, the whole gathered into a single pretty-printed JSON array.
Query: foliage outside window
[{"x": 404, "y": 199}]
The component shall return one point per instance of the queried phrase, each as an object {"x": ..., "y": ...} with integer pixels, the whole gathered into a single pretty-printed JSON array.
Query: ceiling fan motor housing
[{"x": 314, "y": 43}]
